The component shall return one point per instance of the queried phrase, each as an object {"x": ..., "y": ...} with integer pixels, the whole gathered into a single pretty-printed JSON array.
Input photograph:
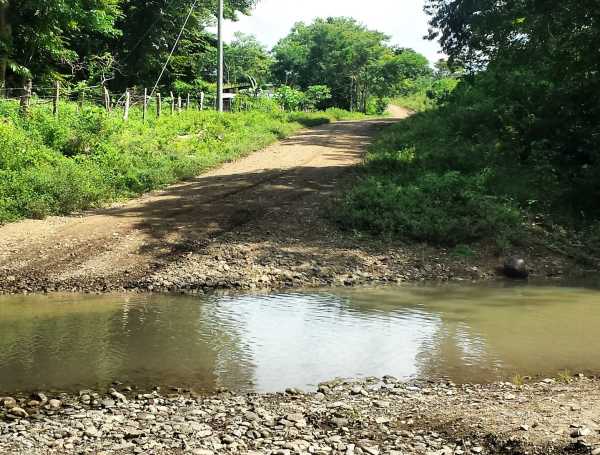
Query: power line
[{"x": 174, "y": 47}]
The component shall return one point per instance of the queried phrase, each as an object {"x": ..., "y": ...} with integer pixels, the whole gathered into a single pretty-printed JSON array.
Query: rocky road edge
[{"x": 371, "y": 416}]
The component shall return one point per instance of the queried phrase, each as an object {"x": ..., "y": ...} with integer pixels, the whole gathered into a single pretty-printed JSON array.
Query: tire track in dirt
[{"x": 110, "y": 248}]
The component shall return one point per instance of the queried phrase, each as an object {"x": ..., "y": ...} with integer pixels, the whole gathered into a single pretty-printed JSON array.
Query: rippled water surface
[{"x": 267, "y": 343}]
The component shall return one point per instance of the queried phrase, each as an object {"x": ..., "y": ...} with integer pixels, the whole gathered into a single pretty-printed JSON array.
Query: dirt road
[
  {"x": 260, "y": 222},
  {"x": 118, "y": 246}
]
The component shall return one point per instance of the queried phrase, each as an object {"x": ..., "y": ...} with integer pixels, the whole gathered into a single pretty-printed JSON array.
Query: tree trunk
[{"x": 5, "y": 36}]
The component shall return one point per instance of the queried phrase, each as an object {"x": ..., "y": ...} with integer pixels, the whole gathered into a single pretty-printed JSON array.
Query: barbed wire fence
[{"x": 170, "y": 102}]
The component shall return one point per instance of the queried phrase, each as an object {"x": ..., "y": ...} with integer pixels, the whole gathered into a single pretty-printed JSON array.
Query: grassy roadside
[
  {"x": 54, "y": 166},
  {"x": 408, "y": 189},
  {"x": 439, "y": 178}
]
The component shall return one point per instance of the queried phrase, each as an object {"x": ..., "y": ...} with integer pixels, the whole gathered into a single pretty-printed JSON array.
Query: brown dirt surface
[{"x": 254, "y": 223}]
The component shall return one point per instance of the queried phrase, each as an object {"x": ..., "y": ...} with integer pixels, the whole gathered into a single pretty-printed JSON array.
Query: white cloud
[{"x": 403, "y": 20}]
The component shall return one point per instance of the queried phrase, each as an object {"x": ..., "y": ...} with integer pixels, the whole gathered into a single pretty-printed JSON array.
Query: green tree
[
  {"x": 337, "y": 52},
  {"x": 39, "y": 38},
  {"x": 150, "y": 28},
  {"x": 534, "y": 78},
  {"x": 354, "y": 62},
  {"x": 316, "y": 96},
  {"x": 247, "y": 60}
]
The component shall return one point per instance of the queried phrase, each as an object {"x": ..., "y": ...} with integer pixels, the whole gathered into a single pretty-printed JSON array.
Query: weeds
[
  {"x": 564, "y": 376},
  {"x": 56, "y": 166},
  {"x": 518, "y": 380},
  {"x": 414, "y": 186}
]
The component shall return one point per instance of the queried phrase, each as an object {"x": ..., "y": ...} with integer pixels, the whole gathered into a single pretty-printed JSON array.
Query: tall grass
[
  {"x": 82, "y": 159},
  {"x": 421, "y": 182}
]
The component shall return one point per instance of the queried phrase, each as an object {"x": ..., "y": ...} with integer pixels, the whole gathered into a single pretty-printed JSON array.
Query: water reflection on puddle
[{"x": 267, "y": 343}]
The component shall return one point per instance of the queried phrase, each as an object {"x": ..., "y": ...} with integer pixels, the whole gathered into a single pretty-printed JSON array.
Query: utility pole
[{"x": 221, "y": 59}]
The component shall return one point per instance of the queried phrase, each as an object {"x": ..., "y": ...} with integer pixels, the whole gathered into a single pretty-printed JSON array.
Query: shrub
[
  {"x": 289, "y": 98},
  {"x": 315, "y": 96},
  {"x": 448, "y": 209}
]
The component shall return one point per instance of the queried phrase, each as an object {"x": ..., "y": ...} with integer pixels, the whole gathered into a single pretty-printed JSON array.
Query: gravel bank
[{"x": 343, "y": 417}]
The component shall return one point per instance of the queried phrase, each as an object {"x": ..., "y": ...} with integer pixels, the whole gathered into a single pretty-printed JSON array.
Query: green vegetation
[
  {"x": 565, "y": 376},
  {"x": 356, "y": 63},
  {"x": 518, "y": 380},
  {"x": 56, "y": 166},
  {"x": 513, "y": 149},
  {"x": 83, "y": 157},
  {"x": 125, "y": 42},
  {"x": 417, "y": 186}
]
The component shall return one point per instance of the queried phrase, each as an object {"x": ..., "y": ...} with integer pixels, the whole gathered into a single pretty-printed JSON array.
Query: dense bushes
[
  {"x": 420, "y": 184},
  {"x": 475, "y": 167},
  {"x": 448, "y": 208},
  {"x": 55, "y": 166},
  {"x": 520, "y": 134}
]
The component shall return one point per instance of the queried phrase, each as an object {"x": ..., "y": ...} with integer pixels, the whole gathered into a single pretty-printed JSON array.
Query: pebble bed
[{"x": 372, "y": 416}]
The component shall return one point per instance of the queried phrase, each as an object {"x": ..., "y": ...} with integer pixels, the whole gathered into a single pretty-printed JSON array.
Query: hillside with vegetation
[{"x": 511, "y": 155}]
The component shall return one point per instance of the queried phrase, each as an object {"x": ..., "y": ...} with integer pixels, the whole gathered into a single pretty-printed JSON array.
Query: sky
[{"x": 403, "y": 20}]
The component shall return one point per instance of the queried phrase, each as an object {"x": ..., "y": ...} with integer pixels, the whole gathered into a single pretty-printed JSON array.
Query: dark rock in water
[{"x": 515, "y": 268}]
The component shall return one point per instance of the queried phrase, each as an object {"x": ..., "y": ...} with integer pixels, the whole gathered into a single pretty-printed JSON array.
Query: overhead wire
[{"x": 174, "y": 47}]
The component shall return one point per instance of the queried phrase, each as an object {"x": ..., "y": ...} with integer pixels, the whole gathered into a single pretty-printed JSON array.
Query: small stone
[
  {"x": 204, "y": 433},
  {"x": 295, "y": 418},
  {"x": 339, "y": 422},
  {"x": 39, "y": 396},
  {"x": 91, "y": 432},
  {"x": 54, "y": 404},
  {"x": 8, "y": 402},
  {"x": 108, "y": 403},
  {"x": 251, "y": 416},
  {"x": 293, "y": 391},
  {"x": 117, "y": 396},
  {"x": 133, "y": 433},
  {"x": 581, "y": 432},
  {"x": 18, "y": 412},
  {"x": 370, "y": 450},
  {"x": 381, "y": 404},
  {"x": 227, "y": 439},
  {"x": 516, "y": 268}
]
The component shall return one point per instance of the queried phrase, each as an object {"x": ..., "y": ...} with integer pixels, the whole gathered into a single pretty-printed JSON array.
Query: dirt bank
[
  {"x": 259, "y": 222},
  {"x": 343, "y": 418}
]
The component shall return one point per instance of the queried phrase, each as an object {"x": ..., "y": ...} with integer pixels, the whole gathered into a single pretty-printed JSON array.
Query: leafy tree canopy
[{"x": 341, "y": 53}]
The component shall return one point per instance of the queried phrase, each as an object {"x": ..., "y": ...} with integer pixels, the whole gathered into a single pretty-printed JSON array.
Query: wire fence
[{"x": 100, "y": 96}]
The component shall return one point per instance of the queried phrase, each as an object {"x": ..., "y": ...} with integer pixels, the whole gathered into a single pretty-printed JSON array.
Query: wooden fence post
[
  {"x": 178, "y": 103},
  {"x": 81, "y": 99},
  {"x": 201, "y": 101},
  {"x": 26, "y": 97},
  {"x": 145, "y": 105},
  {"x": 187, "y": 103},
  {"x": 158, "y": 105},
  {"x": 56, "y": 99},
  {"x": 106, "y": 99},
  {"x": 172, "y": 104},
  {"x": 127, "y": 102}
]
